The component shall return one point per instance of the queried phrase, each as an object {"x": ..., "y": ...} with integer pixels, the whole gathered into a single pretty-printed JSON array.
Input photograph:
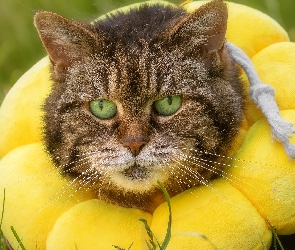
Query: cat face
[{"x": 139, "y": 97}]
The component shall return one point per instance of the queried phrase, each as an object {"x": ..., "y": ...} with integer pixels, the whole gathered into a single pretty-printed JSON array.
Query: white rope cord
[{"x": 263, "y": 95}]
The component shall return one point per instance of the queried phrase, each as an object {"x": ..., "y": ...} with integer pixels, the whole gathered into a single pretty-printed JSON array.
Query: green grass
[
  {"x": 153, "y": 243},
  {"x": 277, "y": 242},
  {"x": 2, "y": 240},
  {"x": 17, "y": 238}
]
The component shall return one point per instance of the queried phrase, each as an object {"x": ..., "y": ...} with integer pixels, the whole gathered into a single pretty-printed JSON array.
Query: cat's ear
[
  {"x": 65, "y": 41},
  {"x": 202, "y": 31}
]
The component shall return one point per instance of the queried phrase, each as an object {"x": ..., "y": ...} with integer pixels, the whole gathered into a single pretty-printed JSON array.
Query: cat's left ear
[
  {"x": 65, "y": 41},
  {"x": 202, "y": 32}
]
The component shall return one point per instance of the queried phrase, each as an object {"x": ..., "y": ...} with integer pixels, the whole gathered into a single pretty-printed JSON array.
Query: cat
[{"x": 133, "y": 92}]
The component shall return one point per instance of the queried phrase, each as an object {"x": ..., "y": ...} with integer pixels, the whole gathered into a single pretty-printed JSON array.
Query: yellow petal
[
  {"x": 20, "y": 113},
  {"x": 275, "y": 66},
  {"x": 36, "y": 195},
  {"x": 96, "y": 224},
  {"x": 266, "y": 176},
  {"x": 219, "y": 212}
]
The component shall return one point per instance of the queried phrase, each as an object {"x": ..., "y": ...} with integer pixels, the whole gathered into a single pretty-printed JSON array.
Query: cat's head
[{"x": 142, "y": 96}]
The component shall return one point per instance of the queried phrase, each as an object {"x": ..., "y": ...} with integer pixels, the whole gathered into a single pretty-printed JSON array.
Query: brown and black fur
[{"x": 133, "y": 60}]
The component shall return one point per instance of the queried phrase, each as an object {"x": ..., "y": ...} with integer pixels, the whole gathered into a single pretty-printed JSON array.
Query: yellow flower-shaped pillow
[{"x": 233, "y": 212}]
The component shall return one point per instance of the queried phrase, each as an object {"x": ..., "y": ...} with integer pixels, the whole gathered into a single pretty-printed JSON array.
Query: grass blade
[
  {"x": 194, "y": 234},
  {"x": 130, "y": 246},
  {"x": 276, "y": 238},
  {"x": 149, "y": 246},
  {"x": 3, "y": 206},
  {"x": 120, "y": 248},
  {"x": 117, "y": 247},
  {"x": 168, "y": 233},
  {"x": 17, "y": 238},
  {"x": 151, "y": 235},
  {"x": 2, "y": 240},
  {"x": 262, "y": 243},
  {"x": 153, "y": 243}
]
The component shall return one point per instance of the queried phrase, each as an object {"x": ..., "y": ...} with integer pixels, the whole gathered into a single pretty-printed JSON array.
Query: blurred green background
[{"x": 20, "y": 46}]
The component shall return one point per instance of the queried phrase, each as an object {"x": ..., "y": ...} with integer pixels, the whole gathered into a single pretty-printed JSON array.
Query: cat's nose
[{"x": 135, "y": 144}]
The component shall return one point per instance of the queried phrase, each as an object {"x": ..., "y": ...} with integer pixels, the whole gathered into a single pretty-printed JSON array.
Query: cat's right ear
[
  {"x": 65, "y": 41},
  {"x": 201, "y": 33}
]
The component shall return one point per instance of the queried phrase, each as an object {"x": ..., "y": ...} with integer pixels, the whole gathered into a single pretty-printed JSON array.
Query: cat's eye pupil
[
  {"x": 103, "y": 109},
  {"x": 169, "y": 100},
  {"x": 101, "y": 104},
  {"x": 168, "y": 105}
]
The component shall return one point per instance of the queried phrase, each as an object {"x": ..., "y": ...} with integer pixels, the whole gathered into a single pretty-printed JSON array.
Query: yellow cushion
[
  {"x": 20, "y": 113},
  {"x": 233, "y": 212},
  {"x": 36, "y": 195}
]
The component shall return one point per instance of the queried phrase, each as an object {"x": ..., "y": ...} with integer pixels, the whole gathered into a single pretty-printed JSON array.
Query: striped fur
[{"x": 133, "y": 60}]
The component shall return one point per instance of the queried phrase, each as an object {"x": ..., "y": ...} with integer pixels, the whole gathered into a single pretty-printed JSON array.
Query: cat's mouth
[{"x": 136, "y": 172}]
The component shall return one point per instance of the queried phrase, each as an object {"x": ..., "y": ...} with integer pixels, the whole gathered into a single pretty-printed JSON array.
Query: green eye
[
  {"x": 168, "y": 105},
  {"x": 103, "y": 109}
]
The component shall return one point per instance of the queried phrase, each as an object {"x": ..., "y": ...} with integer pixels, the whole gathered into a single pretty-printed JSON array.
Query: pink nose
[{"x": 135, "y": 145}]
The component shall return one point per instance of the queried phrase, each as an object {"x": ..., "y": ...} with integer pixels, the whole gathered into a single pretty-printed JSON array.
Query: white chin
[{"x": 133, "y": 181}]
